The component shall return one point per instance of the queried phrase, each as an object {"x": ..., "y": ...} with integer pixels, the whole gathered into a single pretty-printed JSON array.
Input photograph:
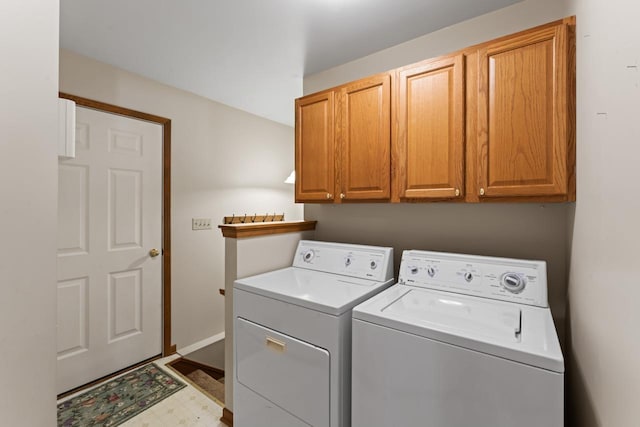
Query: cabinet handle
[
  {"x": 457, "y": 192},
  {"x": 342, "y": 196},
  {"x": 329, "y": 195},
  {"x": 482, "y": 191}
]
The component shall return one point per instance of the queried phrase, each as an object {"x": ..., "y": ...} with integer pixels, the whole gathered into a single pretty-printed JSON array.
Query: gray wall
[
  {"x": 527, "y": 231},
  {"x": 210, "y": 355}
]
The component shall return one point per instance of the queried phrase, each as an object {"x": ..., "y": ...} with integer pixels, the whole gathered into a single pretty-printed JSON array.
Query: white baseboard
[{"x": 200, "y": 344}]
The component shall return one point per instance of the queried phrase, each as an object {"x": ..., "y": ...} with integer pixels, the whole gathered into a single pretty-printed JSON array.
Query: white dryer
[
  {"x": 292, "y": 336},
  {"x": 460, "y": 341}
]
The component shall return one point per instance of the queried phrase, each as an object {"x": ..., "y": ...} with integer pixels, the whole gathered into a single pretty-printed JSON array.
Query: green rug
[{"x": 120, "y": 399}]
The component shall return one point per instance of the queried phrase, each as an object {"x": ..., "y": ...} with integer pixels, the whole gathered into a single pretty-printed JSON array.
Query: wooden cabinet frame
[{"x": 488, "y": 101}]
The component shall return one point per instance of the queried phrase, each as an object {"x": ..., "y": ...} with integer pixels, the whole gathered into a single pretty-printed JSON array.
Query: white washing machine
[
  {"x": 292, "y": 336},
  {"x": 461, "y": 341}
]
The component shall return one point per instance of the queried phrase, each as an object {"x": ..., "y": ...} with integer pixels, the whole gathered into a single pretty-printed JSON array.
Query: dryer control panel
[
  {"x": 366, "y": 262},
  {"x": 505, "y": 279}
]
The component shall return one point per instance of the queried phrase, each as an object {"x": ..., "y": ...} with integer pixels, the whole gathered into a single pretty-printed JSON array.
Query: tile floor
[{"x": 185, "y": 408}]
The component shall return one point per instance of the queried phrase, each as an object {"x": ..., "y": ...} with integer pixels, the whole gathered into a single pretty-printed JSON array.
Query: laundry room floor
[{"x": 185, "y": 408}]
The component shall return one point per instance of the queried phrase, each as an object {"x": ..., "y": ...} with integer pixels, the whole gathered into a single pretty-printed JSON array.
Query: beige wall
[
  {"x": 592, "y": 244},
  {"x": 505, "y": 21},
  {"x": 224, "y": 161},
  {"x": 28, "y": 198},
  {"x": 514, "y": 230},
  {"x": 604, "y": 286}
]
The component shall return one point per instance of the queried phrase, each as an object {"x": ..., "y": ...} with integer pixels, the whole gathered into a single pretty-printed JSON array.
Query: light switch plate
[{"x": 201, "y": 223}]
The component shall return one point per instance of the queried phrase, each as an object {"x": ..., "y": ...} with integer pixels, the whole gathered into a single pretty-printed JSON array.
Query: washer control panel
[
  {"x": 506, "y": 279},
  {"x": 367, "y": 262}
]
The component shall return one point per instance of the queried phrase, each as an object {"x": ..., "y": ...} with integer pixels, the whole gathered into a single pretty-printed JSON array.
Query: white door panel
[{"x": 109, "y": 218}]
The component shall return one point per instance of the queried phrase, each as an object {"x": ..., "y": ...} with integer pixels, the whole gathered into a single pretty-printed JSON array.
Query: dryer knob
[
  {"x": 373, "y": 264},
  {"x": 308, "y": 255},
  {"x": 431, "y": 271}
]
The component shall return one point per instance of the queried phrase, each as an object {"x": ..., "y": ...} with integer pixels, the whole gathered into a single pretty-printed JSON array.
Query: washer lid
[
  {"x": 516, "y": 332},
  {"x": 326, "y": 292},
  {"x": 459, "y": 315}
]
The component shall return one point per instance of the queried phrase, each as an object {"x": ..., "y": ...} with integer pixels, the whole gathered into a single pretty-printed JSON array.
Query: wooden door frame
[{"x": 167, "y": 347}]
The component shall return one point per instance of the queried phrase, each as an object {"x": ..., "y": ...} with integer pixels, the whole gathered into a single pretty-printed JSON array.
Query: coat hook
[
  {"x": 244, "y": 219},
  {"x": 253, "y": 218},
  {"x": 231, "y": 220}
]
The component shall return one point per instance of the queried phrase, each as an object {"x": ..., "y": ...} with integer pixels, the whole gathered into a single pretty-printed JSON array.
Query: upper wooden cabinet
[
  {"x": 524, "y": 116},
  {"x": 492, "y": 122},
  {"x": 343, "y": 143},
  {"x": 429, "y": 144},
  {"x": 315, "y": 148},
  {"x": 364, "y": 138}
]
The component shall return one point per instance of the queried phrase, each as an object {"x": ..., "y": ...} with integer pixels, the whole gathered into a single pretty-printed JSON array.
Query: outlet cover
[{"x": 201, "y": 223}]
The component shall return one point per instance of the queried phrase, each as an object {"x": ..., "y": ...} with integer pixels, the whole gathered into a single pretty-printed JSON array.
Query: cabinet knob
[
  {"x": 329, "y": 196},
  {"x": 342, "y": 196},
  {"x": 482, "y": 191},
  {"x": 457, "y": 192}
]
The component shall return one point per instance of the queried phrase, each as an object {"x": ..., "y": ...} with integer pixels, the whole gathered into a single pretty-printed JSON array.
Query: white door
[{"x": 109, "y": 219}]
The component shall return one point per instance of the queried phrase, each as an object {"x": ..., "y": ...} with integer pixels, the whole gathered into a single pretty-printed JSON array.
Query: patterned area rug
[{"x": 116, "y": 401}]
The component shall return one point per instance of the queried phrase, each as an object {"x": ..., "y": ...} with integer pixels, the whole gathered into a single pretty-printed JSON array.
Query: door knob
[{"x": 154, "y": 253}]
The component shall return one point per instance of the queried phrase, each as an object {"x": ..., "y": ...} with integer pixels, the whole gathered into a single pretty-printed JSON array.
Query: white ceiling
[{"x": 249, "y": 54}]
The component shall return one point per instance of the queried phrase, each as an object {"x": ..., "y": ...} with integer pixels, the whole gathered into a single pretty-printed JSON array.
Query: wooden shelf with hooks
[{"x": 239, "y": 230}]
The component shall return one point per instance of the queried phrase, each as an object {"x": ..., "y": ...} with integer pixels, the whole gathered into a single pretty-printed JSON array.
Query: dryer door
[{"x": 288, "y": 372}]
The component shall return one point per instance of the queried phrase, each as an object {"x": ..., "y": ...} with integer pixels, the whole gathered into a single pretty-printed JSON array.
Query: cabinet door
[
  {"x": 365, "y": 139},
  {"x": 430, "y": 138},
  {"x": 523, "y": 116},
  {"x": 315, "y": 148}
]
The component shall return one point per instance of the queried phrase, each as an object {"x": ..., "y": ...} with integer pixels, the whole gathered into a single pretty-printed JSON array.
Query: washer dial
[{"x": 513, "y": 282}]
